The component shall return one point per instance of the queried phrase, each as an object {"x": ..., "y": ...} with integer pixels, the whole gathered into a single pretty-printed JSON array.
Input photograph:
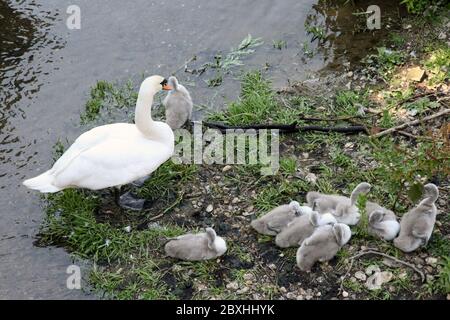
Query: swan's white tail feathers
[{"x": 42, "y": 183}]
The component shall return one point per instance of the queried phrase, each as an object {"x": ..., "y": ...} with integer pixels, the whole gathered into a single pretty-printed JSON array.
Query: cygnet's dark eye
[{"x": 164, "y": 82}]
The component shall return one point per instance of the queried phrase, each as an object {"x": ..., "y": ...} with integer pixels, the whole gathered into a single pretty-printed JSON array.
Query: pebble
[
  {"x": 448, "y": 296},
  {"x": 291, "y": 296},
  {"x": 248, "y": 276},
  {"x": 300, "y": 297},
  {"x": 345, "y": 294},
  {"x": 127, "y": 229},
  {"x": 361, "y": 276},
  {"x": 235, "y": 200},
  {"x": 209, "y": 208},
  {"x": 431, "y": 261},
  {"x": 371, "y": 269},
  {"x": 226, "y": 168},
  {"x": 233, "y": 285},
  {"x": 311, "y": 178},
  {"x": 442, "y": 36},
  {"x": 243, "y": 290}
]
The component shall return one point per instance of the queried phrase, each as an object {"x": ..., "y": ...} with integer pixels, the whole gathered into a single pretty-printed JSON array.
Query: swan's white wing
[
  {"x": 92, "y": 138},
  {"x": 113, "y": 162}
]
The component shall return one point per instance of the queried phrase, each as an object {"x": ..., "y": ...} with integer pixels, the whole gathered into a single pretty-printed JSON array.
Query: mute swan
[
  {"x": 301, "y": 228},
  {"x": 196, "y": 247},
  {"x": 178, "y": 104},
  {"x": 273, "y": 222},
  {"x": 417, "y": 224},
  {"x": 322, "y": 245},
  {"x": 343, "y": 208},
  {"x": 115, "y": 154}
]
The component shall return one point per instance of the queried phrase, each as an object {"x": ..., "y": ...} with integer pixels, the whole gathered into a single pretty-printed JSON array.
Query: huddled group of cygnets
[
  {"x": 117, "y": 154},
  {"x": 320, "y": 228}
]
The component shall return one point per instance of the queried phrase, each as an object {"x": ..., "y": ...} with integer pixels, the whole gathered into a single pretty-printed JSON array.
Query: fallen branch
[
  {"x": 285, "y": 128},
  {"x": 411, "y": 123},
  {"x": 363, "y": 253}
]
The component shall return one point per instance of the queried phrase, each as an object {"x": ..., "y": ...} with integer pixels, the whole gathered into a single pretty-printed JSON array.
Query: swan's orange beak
[{"x": 166, "y": 87}]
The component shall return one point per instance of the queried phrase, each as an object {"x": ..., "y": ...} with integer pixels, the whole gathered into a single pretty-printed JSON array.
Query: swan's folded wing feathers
[{"x": 117, "y": 161}]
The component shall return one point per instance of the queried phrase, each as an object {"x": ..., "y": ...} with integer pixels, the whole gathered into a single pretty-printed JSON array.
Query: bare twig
[
  {"x": 407, "y": 134},
  {"x": 363, "y": 253},
  {"x": 411, "y": 123},
  {"x": 185, "y": 65}
]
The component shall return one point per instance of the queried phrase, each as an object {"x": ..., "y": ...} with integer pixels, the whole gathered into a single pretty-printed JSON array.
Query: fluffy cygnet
[
  {"x": 273, "y": 222},
  {"x": 178, "y": 104},
  {"x": 196, "y": 247},
  {"x": 417, "y": 224},
  {"x": 322, "y": 245},
  {"x": 382, "y": 222},
  {"x": 301, "y": 228},
  {"x": 343, "y": 208}
]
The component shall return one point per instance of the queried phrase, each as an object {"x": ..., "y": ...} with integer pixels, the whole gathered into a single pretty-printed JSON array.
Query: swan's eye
[{"x": 165, "y": 85}]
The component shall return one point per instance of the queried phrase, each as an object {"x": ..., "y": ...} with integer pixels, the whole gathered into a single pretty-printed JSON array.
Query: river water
[{"x": 46, "y": 71}]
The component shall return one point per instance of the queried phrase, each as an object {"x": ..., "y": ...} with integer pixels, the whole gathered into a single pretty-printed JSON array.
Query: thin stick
[
  {"x": 392, "y": 258},
  {"x": 411, "y": 123}
]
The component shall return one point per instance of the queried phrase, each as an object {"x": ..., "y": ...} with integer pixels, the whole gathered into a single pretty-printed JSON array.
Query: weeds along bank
[{"x": 405, "y": 79}]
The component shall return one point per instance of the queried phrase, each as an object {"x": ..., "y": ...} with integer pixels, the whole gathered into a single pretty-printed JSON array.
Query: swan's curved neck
[{"x": 143, "y": 115}]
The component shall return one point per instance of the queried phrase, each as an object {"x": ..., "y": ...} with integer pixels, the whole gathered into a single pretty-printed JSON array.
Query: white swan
[{"x": 115, "y": 154}]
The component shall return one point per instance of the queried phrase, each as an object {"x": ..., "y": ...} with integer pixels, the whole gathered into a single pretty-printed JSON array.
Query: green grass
[
  {"x": 105, "y": 95},
  {"x": 442, "y": 283},
  {"x": 279, "y": 44},
  {"x": 385, "y": 61},
  {"x": 257, "y": 104},
  {"x": 438, "y": 64}
]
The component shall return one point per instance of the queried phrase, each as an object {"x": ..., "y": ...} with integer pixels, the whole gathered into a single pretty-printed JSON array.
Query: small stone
[
  {"x": 226, "y": 168},
  {"x": 311, "y": 178},
  {"x": 272, "y": 266},
  {"x": 431, "y": 261},
  {"x": 442, "y": 36},
  {"x": 350, "y": 74},
  {"x": 371, "y": 269},
  {"x": 305, "y": 155},
  {"x": 408, "y": 26},
  {"x": 430, "y": 278},
  {"x": 415, "y": 74},
  {"x": 448, "y": 296},
  {"x": 349, "y": 145},
  {"x": 243, "y": 290},
  {"x": 233, "y": 285},
  {"x": 375, "y": 281},
  {"x": 300, "y": 297},
  {"x": 209, "y": 208},
  {"x": 248, "y": 276},
  {"x": 127, "y": 229},
  {"x": 235, "y": 200},
  {"x": 291, "y": 296},
  {"x": 283, "y": 290},
  {"x": 309, "y": 297},
  {"x": 360, "y": 275},
  {"x": 345, "y": 294}
]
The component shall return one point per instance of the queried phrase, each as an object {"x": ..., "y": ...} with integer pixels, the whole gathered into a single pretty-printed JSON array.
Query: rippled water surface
[{"x": 46, "y": 71}]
